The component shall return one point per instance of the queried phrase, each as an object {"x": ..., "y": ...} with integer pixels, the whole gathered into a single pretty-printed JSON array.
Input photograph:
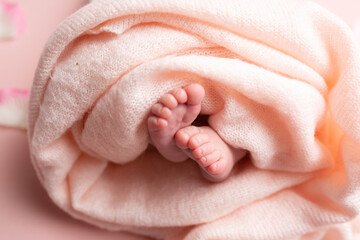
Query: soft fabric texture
[
  {"x": 357, "y": 30},
  {"x": 282, "y": 80}
]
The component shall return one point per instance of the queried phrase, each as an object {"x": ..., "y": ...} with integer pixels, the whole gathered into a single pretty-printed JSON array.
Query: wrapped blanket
[{"x": 282, "y": 80}]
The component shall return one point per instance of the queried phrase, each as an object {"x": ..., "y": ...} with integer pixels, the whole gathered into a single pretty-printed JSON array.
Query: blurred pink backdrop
[{"x": 25, "y": 210}]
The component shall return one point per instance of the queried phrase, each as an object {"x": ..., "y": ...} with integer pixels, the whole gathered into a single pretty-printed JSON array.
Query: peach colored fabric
[{"x": 282, "y": 80}]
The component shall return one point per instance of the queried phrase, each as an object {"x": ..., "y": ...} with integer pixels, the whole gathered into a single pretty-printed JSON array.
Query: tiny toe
[
  {"x": 183, "y": 135},
  {"x": 209, "y": 159},
  {"x": 155, "y": 123},
  {"x": 198, "y": 140},
  {"x": 217, "y": 167},
  {"x": 159, "y": 110},
  {"x": 203, "y": 150},
  {"x": 195, "y": 93},
  {"x": 168, "y": 100},
  {"x": 180, "y": 95}
]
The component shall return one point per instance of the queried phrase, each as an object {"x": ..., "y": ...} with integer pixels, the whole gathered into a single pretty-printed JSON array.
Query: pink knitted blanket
[{"x": 282, "y": 80}]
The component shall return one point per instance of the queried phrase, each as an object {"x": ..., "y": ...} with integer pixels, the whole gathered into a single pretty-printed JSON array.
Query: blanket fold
[{"x": 282, "y": 80}]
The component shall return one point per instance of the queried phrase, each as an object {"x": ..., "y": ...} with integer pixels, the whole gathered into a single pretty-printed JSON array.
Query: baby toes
[
  {"x": 180, "y": 95},
  {"x": 161, "y": 111},
  {"x": 155, "y": 123},
  {"x": 197, "y": 140},
  {"x": 183, "y": 136},
  {"x": 169, "y": 101},
  {"x": 209, "y": 159},
  {"x": 195, "y": 93},
  {"x": 203, "y": 150},
  {"x": 217, "y": 167}
]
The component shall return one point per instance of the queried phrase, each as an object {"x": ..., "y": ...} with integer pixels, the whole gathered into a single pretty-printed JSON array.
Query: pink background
[{"x": 25, "y": 210}]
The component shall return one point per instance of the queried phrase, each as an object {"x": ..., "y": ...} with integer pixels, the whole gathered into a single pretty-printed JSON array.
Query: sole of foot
[
  {"x": 215, "y": 157},
  {"x": 174, "y": 110}
]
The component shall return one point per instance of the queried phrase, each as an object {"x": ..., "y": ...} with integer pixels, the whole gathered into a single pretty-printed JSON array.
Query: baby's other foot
[
  {"x": 215, "y": 157},
  {"x": 175, "y": 110}
]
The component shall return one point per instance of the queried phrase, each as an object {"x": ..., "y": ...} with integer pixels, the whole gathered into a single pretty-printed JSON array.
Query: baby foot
[
  {"x": 205, "y": 146},
  {"x": 175, "y": 110}
]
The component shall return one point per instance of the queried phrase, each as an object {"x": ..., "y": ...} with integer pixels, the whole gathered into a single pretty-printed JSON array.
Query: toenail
[{"x": 203, "y": 159}]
